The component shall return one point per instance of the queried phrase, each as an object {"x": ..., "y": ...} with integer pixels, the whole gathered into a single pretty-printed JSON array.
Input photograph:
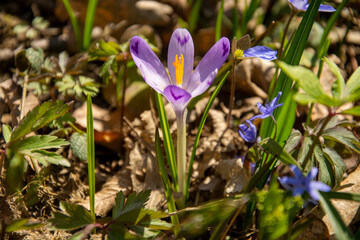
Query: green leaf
[
  {"x": 275, "y": 149},
  {"x": 355, "y": 111},
  {"x": 104, "y": 70},
  {"x": 138, "y": 215},
  {"x": 156, "y": 224},
  {"x": 136, "y": 201},
  {"x": 285, "y": 116},
  {"x": 78, "y": 145},
  {"x": 309, "y": 82},
  {"x": 15, "y": 170},
  {"x": 110, "y": 48},
  {"x": 294, "y": 141},
  {"x": 343, "y": 195},
  {"x": 342, "y": 135},
  {"x": 337, "y": 223},
  {"x": 219, "y": 21},
  {"x": 75, "y": 216},
  {"x": 90, "y": 143},
  {"x": 88, "y": 86},
  {"x": 168, "y": 143},
  {"x": 200, "y": 128},
  {"x": 119, "y": 204},
  {"x": 45, "y": 157},
  {"x": 304, "y": 149},
  {"x": 144, "y": 232},
  {"x": 39, "y": 142},
  {"x": 40, "y": 23},
  {"x": 339, "y": 85},
  {"x": 22, "y": 224},
  {"x": 326, "y": 173},
  {"x": 352, "y": 87},
  {"x": 338, "y": 163},
  {"x": 39, "y": 117},
  {"x": 118, "y": 231},
  {"x": 6, "y": 131}
]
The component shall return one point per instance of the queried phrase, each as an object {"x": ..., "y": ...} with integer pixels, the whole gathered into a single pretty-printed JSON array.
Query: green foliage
[
  {"x": 75, "y": 217},
  {"x": 341, "y": 92},
  {"x": 35, "y": 147},
  {"x": 78, "y": 145},
  {"x": 39, "y": 117},
  {"x": 29, "y": 59},
  {"x": 275, "y": 149},
  {"x": 277, "y": 211},
  {"x": 328, "y": 144},
  {"x": 337, "y": 223},
  {"x": 22, "y": 224},
  {"x": 129, "y": 219},
  {"x": 31, "y": 32},
  {"x": 90, "y": 143},
  {"x": 285, "y": 116}
]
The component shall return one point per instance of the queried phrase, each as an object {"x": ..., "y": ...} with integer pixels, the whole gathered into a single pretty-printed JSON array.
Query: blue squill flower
[
  {"x": 302, "y": 5},
  {"x": 257, "y": 52},
  {"x": 248, "y": 131},
  {"x": 268, "y": 109},
  {"x": 183, "y": 83},
  {"x": 299, "y": 184}
]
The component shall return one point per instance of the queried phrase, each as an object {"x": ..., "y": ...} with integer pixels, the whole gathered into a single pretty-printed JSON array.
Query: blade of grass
[
  {"x": 285, "y": 116},
  {"x": 90, "y": 141},
  {"x": 219, "y": 21},
  {"x": 194, "y": 15},
  {"x": 165, "y": 179},
  {"x": 74, "y": 23},
  {"x": 198, "y": 134},
  {"x": 329, "y": 25},
  {"x": 338, "y": 224},
  {"x": 89, "y": 22},
  {"x": 168, "y": 142},
  {"x": 247, "y": 15}
]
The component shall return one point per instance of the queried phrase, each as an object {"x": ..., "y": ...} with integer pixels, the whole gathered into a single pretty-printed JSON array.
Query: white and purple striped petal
[
  {"x": 181, "y": 43},
  {"x": 205, "y": 72},
  {"x": 178, "y": 97},
  {"x": 151, "y": 68}
]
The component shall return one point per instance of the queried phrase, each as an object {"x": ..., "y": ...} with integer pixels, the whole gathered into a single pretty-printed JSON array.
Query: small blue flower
[
  {"x": 261, "y": 52},
  {"x": 257, "y": 52},
  {"x": 248, "y": 131},
  {"x": 268, "y": 109},
  {"x": 302, "y": 5},
  {"x": 301, "y": 184}
]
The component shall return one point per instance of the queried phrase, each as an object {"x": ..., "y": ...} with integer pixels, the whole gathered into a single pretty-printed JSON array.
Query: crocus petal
[
  {"x": 261, "y": 52},
  {"x": 207, "y": 69},
  {"x": 178, "y": 97},
  {"x": 326, "y": 8},
  {"x": 181, "y": 43},
  {"x": 149, "y": 64}
]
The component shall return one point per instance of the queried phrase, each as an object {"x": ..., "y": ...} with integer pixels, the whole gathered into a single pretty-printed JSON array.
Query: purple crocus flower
[
  {"x": 302, "y": 5},
  {"x": 248, "y": 131},
  {"x": 301, "y": 184},
  {"x": 268, "y": 109},
  {"x": 183, "y": 83}
]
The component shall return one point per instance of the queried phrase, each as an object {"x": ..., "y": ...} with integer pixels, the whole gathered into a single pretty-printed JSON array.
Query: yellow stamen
[
  {"x": 239, "y": 53},
  {"x": 179, "y": 67}
]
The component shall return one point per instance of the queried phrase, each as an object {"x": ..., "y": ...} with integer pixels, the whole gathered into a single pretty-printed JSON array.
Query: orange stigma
[{"x": 179, "y": 67}]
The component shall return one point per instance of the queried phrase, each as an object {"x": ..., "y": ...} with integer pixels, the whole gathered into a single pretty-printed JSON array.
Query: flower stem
[{"x": 181, "y": 152}]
